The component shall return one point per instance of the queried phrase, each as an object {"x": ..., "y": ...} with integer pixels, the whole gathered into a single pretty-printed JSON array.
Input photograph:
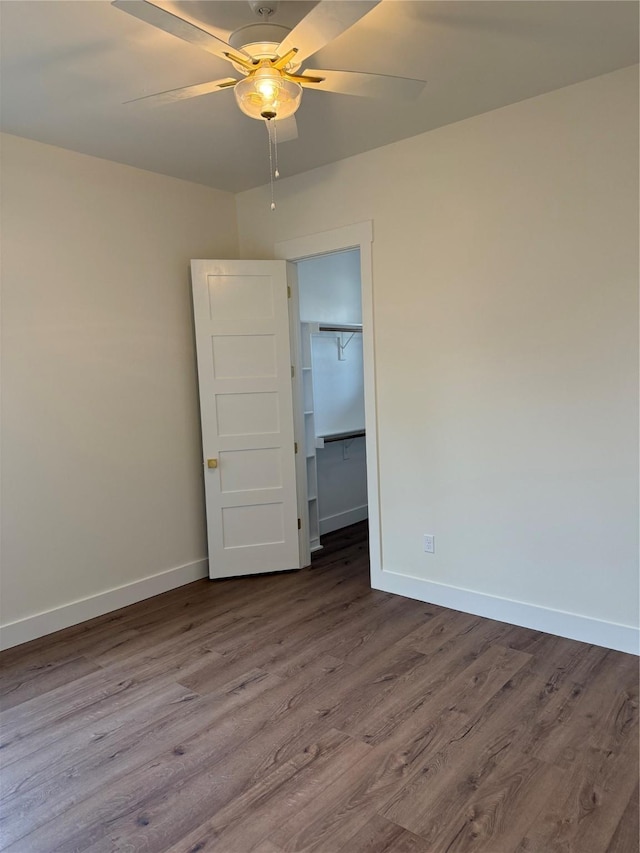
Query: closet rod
[
  {"x": 344, "y": 327},
  {"x": 343, "y": 436}
]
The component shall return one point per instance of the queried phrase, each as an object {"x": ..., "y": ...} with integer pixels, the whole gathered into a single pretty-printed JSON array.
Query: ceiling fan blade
[
  {"x": 325, "y": 22},
  {"x": 362, "y": 84},
  {"x": 148, "y": 11},
  {"x": 286, "y": 129},
  {"x": 185, "y": 92}
]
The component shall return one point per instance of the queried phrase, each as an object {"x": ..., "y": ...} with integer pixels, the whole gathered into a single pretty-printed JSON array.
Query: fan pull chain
[
  {"x": 276, "y": 173},
  {"x": 272, "y": 134},
  {"x": 271, "y": 170}
]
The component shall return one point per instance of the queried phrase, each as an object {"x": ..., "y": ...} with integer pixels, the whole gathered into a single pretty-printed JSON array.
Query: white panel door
[{"x": 246, "y": 402}]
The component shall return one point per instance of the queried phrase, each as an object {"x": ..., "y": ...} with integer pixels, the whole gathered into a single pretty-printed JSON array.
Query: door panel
[
  {"x": 246, "y": 526},
  {"x": 244, "y": 374},
  {"x": 253, "y": 413},
  {"x": 244, "y": 470},
  {"x": 244, "y": 357}
]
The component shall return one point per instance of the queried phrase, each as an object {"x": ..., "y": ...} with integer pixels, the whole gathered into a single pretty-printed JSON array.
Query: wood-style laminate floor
[{"x": 306, "y": 712}]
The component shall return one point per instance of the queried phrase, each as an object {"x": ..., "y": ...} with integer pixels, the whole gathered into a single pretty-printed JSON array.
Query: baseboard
[
  {"x": 50, "y": 621},
  {"x": 343, "y": 519},
  {"x": 623, "y": 638}
]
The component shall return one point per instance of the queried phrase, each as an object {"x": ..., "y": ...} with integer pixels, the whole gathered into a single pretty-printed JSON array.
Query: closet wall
[{"x": 329, "y": 288}]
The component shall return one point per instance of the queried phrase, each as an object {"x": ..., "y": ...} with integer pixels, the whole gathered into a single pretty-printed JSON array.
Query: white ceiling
[{"x": 68, "y": 66}]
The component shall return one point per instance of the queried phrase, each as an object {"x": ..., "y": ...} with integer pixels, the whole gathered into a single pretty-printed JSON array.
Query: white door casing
[{"x": 246, "y": 404}]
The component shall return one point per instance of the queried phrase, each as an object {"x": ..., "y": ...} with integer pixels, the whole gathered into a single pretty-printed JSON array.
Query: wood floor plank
[
  {"x": 435, "y": 632},
  {"x": 370, "y": 686},
  {"x": 38, "y": 683},
  {"x": 594, "y": 795},
  {"x": 61, "y": 751},
  {"x": 210, "y": 622},
  {"x": 112, "y": 774},
  {"x": 294, "y": 638},
  {"x": 43, "y": 729},
  {"x": 443, "y": 781},
  {"x": 605, "y": 713},
  {"x": 556, "y": 659},
  {"x": 435, "y": 690},
  {"x": 626, "y": 838},
  {"x": 376, "y": 636},
  {"x": 302, "y": 620},
  {"x": 505, "y": 805},
  {"x": 161, "y": 664},
  {"x": 379, "y": 835},
  {"x": 218, "y": 670},
  {"x": 263, "y": 847},
  {"x": 343, "y": 811},
  {"x": 331, "y": 819},
  {"x": 323, "y": 637},
  {"x": 285, "y": 789},
  {"x": 297, "y": 647},
  {"x": 304, "y": 711},
  {"x": 267, "y": 732},
  {"x": 282, "y": 755}
]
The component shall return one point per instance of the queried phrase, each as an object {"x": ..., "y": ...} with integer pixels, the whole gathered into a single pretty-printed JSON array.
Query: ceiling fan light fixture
[{"x": 267, "y": 94}]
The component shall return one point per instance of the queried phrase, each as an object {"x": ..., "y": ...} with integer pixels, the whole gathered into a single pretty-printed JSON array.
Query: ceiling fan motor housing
[
  {"x": 264, "y": 8},
  {"x": 251, "y": 36},
  {"x": 260, "y": 41}
]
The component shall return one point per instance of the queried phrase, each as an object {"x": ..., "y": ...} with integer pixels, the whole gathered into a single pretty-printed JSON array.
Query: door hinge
[
  {"x": 288, "y": 291},
  {"x": 295, "y": 446},
  {"x": 299, "y": 524},
  {"x": 293, "y": 371}
]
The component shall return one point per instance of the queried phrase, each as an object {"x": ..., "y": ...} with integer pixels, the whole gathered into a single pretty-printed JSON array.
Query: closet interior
[{"x": 333, "y": 392}]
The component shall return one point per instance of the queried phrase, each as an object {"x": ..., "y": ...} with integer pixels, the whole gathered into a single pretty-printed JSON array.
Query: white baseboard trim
[
  {"x": 343, "y": 519},
  {"x": 623, "y": 638},
  {"x": 41, "y": 624}
]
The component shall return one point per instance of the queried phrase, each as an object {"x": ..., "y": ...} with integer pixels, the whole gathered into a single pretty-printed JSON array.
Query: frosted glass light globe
[{"x": 266, "y": 94}]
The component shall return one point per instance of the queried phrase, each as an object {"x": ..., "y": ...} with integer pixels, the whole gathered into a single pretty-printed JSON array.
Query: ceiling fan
[{"x": 269, "y": 57}]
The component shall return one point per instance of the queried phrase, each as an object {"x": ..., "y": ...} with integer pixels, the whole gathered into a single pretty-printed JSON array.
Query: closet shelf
[
  {"x": 340, "y": 327},
  {"x": 339, "y": 436}
]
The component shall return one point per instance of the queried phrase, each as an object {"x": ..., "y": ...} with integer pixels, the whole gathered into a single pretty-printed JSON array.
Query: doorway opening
[
  {"x": 358, "y": 236},
  {"x": 332, "y": 392}
]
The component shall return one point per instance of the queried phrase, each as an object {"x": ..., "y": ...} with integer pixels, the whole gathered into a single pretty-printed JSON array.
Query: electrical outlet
[{"x": 429, "y": 543}]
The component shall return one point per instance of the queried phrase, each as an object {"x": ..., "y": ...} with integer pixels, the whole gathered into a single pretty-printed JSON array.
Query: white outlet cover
[{"x": 429, "y": 543}]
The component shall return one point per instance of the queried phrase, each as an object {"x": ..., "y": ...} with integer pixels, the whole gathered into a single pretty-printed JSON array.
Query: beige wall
[
  {"x": 505, "y": 274},
  {"x": 102, "y": 478}
]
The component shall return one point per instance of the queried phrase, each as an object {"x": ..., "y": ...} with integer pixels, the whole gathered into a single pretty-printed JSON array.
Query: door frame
[{"x": 356, "y": 236}]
